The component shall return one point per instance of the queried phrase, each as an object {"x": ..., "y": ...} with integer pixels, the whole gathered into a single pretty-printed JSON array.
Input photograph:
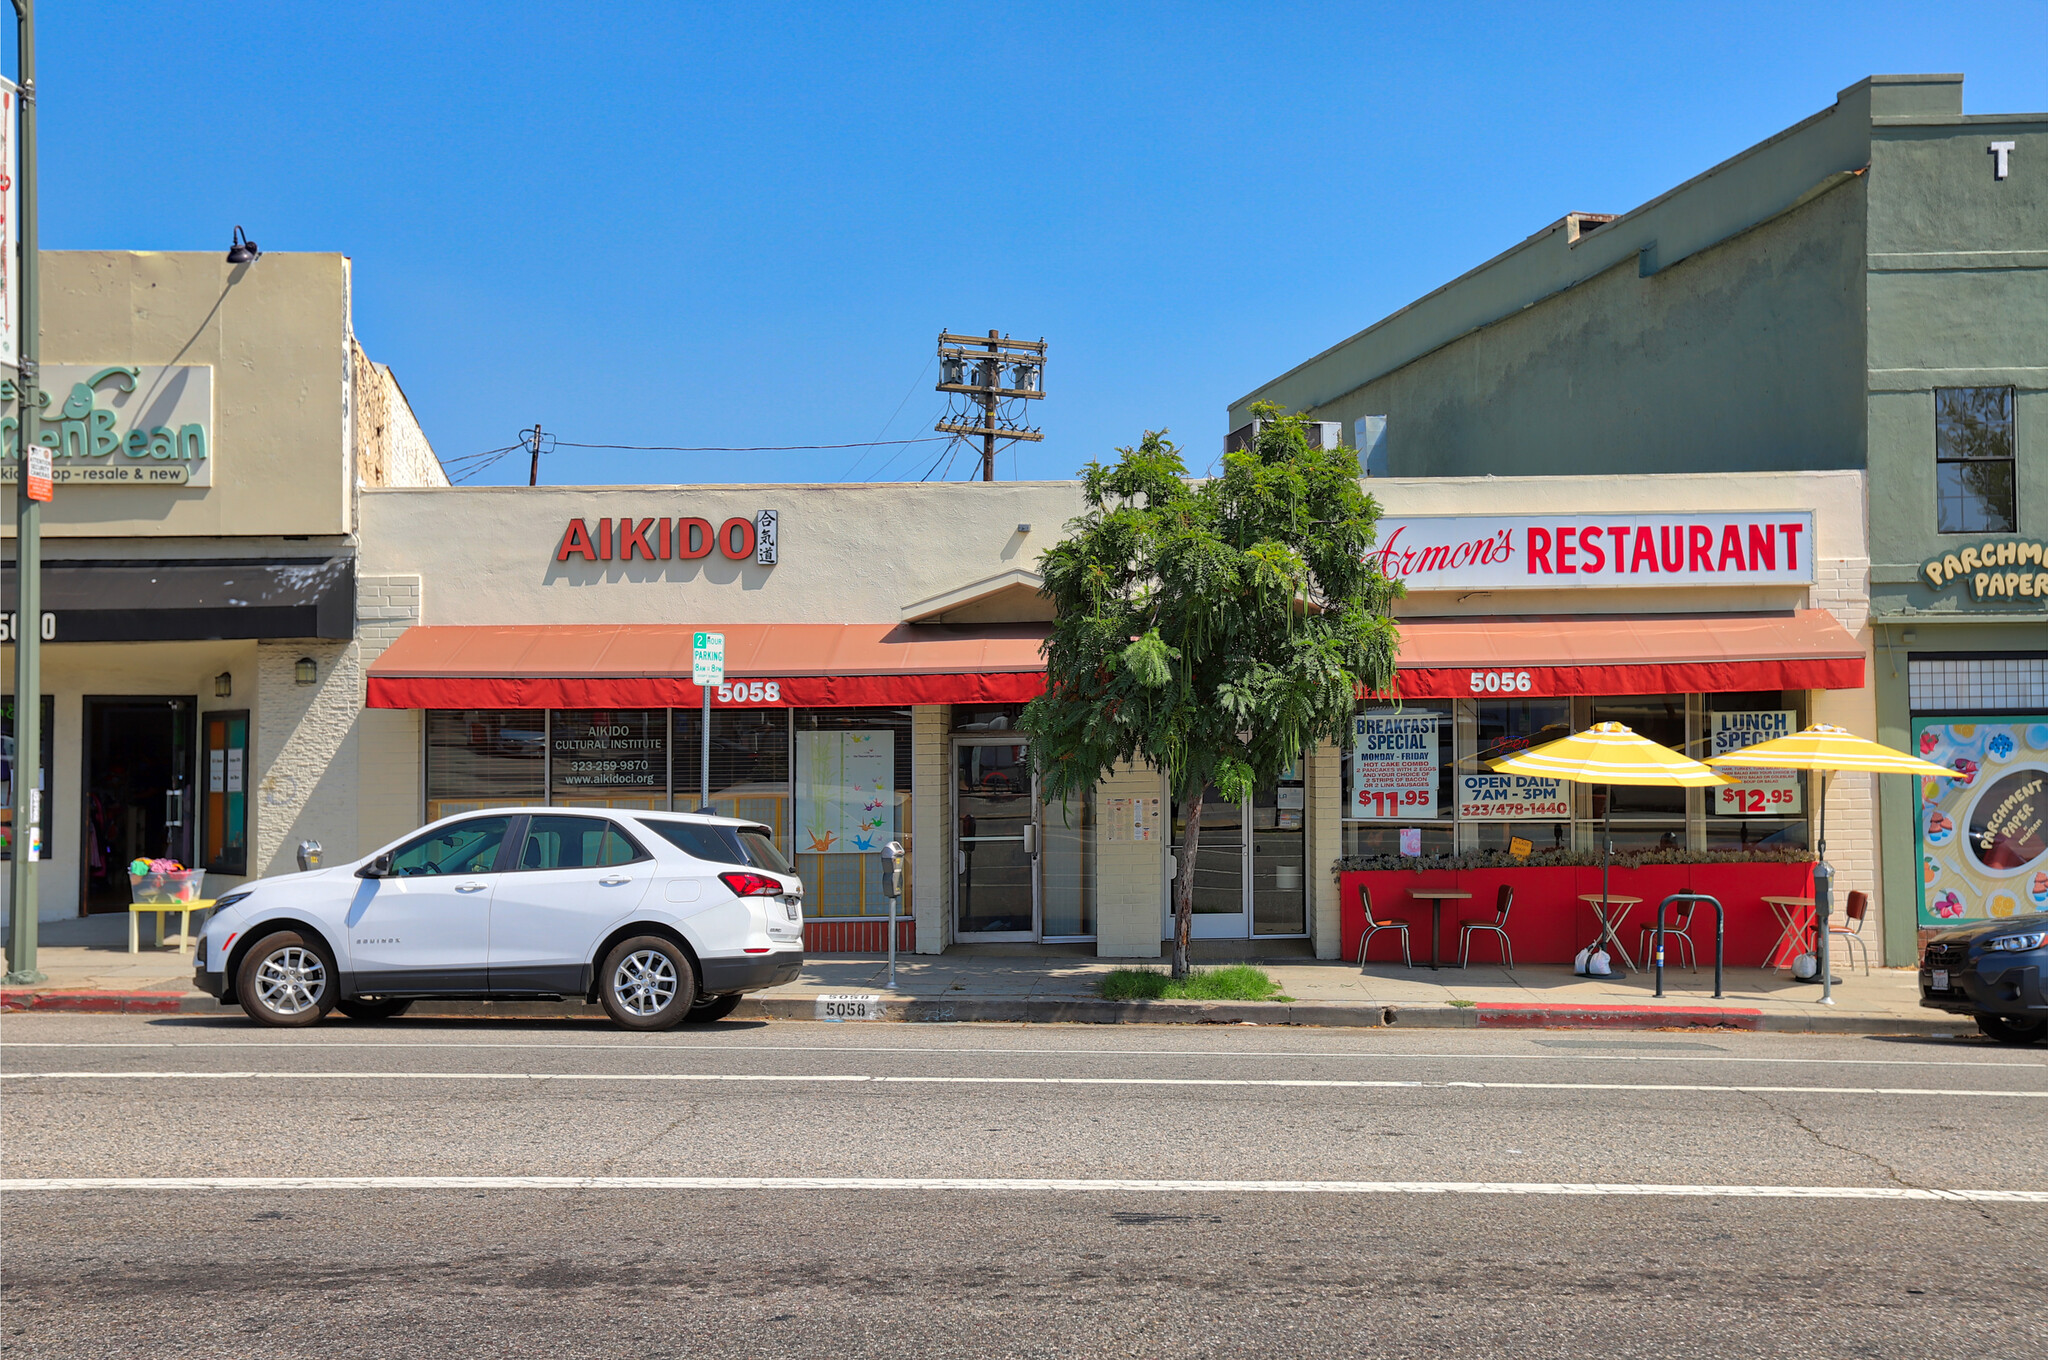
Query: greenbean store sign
[{"x": 141, "y": 424}]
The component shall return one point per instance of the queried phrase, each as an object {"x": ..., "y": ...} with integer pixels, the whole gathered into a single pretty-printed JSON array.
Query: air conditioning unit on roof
[{"x": 1322, "y": 434}]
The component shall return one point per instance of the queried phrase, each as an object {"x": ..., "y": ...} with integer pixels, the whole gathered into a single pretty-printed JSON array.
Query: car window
[
  {"x": 750, "y": 846},
  {"x": 575, "y": 843},
  {"x": 469, "y": 847}
]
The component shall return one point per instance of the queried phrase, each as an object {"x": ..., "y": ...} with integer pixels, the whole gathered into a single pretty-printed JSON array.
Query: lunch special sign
[
  {"x": 1524, "y": 552},
  {"x": 1983, "y": 834}
]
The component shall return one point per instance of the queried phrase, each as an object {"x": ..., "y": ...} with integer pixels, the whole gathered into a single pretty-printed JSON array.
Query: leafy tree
[{"x": 1216, "y": 629}]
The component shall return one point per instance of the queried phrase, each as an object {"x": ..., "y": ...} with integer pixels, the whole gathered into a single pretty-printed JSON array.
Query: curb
[{"x": 1026, "y": 1010}]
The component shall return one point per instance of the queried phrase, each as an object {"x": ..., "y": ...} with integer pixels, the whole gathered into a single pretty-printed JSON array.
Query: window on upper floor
[{"x": 1973, "y": 460}]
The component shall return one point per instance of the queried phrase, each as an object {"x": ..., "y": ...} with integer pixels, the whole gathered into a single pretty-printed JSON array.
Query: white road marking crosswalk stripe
[
  {"x": 797, "y": 1078},
  {"x": 773, "y": 1183}
]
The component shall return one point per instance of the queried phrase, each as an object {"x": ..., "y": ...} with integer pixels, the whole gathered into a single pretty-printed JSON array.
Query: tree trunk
[{"x": 1184, "y": 879}]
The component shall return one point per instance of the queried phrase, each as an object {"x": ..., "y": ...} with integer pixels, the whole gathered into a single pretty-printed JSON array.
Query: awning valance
[
  {"x": 837, "y": 665},
  {"x": 1615, "y": 654},
  {"x": 780, "y": 665},
  {"x": 195, "y": 599}
]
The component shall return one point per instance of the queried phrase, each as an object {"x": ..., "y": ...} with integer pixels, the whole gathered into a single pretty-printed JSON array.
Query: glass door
[
  {"x": 995, "y": 841},
  {"x": 1279, "y": 838},
  {"x": 1219, "y": 869}
]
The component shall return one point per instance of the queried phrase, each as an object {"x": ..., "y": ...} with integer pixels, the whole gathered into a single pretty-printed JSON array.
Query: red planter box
[{"x": 1548, "y": 924}]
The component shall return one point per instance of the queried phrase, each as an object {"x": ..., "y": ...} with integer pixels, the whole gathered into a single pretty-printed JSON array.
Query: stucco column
[
  {"x": 1130, "y": 874},
  {"x": 1325, "y": 844},
  {"x": 931, "y": 844},
  {"x": 305, "y": 753}
]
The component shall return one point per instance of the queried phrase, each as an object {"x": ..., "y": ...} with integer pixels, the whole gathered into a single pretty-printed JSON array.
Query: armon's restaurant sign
[{"x": 1550, "y": 552}]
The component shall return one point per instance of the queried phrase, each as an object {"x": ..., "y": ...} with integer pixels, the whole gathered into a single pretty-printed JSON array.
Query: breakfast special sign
[
  {"x": 1526, "y": 552},
  {"x": 1984, "y": 833}
]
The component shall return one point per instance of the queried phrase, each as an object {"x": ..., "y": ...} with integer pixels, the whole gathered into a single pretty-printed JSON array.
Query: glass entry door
[
  {"x": 995, "y": 841},
  {"x": 1251, "y": 868}
]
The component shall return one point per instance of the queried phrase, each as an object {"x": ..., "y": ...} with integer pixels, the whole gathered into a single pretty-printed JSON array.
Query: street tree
[{"x": 1216, "y": 629}]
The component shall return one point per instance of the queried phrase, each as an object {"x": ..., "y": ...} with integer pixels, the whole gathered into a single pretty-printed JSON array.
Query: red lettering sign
[{"x": 1477, "y": 552}]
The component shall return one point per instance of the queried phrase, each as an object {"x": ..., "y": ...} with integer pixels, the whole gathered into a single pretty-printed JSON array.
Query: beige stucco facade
[
  {"x": 156, "y": 589},
  {"x": 962, "y": 553}
]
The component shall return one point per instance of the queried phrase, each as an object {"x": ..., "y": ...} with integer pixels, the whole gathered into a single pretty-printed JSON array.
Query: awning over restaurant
[
  {"x": 1613, "y": 654},
  {"x": 837, "y": 665},
  {"x": 195, "y": 599},
  {"x": 821, "y": 665}
]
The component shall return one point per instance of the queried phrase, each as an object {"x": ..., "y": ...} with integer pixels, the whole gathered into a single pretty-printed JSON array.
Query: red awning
[
  {"x": 1653, "y": 654},
  {"x": 810, "y": 665},
  {"x": 838, "y": 665}
]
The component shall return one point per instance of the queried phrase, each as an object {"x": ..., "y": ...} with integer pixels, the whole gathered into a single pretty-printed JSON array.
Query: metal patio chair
[
  {"x": 1851, "y": 926},
  {"x": 1677, "y": 928},
  {"x": 1374, "y": 927},
  {"x": 1504, "y": 899}
]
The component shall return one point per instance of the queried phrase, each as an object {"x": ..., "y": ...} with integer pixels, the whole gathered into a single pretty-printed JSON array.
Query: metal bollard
[{"x": 1720, "y": 932}]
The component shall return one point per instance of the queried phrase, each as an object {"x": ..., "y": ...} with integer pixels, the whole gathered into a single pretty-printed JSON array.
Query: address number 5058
[
  {"x": 751, "y": 692},
  {"x": 1500, "y": 682}
]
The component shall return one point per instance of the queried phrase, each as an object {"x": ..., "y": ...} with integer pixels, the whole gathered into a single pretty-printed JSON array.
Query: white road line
[
  {"x": 1863, "y": 1192},
  {"x": 797, "y": 1078},
  {"x": 638, "y": 1047}
]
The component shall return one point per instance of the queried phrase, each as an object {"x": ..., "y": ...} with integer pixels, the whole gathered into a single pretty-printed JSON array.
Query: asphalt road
[{"x": 1217, "y": 1192}]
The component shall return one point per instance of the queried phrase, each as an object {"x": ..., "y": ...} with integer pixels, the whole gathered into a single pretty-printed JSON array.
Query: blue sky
[{"x": 746, "y": 224}]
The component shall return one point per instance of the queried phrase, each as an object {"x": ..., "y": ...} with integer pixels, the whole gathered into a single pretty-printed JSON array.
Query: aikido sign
[{"x": 664, "y": 538}]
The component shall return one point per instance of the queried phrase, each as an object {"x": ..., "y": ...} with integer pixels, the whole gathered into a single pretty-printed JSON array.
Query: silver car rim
[
  {"x": 644, "y": 982},
  {"x": 291, "y": 981}
]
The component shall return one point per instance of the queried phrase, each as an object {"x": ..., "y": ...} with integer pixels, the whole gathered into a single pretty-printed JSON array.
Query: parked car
[
  {"x": 1994, "y": 971},
  {"x": 660, "y": 917}
]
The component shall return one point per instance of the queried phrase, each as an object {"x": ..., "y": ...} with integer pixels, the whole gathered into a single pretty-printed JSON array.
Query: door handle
[
  {"x": 471, "y": 887},
  {"x": 615, "y": 880}
]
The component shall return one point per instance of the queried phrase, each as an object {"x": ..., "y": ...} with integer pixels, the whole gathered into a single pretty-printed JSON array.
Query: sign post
[{"x": 707, "y": 668}]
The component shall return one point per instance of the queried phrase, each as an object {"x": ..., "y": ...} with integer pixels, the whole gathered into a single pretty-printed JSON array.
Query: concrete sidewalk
[{"x": 91, "y": 971}]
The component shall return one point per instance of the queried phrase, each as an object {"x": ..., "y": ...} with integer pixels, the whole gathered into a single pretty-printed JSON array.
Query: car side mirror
[{"x": 379, "y": 867}]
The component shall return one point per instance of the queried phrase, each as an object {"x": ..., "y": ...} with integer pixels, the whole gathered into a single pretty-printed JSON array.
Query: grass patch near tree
[{"x": 1238, "y": 982}]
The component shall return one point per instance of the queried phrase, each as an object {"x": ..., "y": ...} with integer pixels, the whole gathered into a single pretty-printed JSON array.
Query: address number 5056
[
  {"x": 1500, "y": 682},
  {"x": 751, "y": 692}
]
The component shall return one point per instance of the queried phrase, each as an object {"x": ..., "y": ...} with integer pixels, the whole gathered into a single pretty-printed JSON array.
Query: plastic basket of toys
[{"x": 153, "y": 882}]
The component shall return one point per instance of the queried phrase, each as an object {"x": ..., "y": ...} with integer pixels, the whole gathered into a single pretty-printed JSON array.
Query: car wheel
[
  {"x": 647, "y": 983},
  {"x": 2009, "y": 1031},
  {"x": 379, "y": 1009},
  {"x": 709, "y": 1008},
  {"x": 286, "y": 979}
]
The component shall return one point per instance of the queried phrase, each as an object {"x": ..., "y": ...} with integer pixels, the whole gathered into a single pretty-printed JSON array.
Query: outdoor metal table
[
  {"x": 1436, "y": 897},
  {"x": 1610, "y": 926},
  {"x": 1796, "y": 915}
]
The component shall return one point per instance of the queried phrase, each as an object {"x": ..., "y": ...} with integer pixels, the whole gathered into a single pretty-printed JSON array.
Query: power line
[
  {"x": 907, "y": 395},
  {"x": 749, "y": 448}
]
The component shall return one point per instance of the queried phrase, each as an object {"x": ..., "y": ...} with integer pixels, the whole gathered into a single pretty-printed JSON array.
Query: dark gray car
[{"x": 1994, "y": 971}]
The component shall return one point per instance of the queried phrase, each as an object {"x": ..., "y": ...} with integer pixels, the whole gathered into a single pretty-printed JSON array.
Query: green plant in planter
[{"x": 1566, "y": 859}]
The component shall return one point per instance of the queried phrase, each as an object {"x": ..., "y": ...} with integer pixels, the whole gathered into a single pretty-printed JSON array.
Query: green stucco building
[{"x": 1866, "y": 290}]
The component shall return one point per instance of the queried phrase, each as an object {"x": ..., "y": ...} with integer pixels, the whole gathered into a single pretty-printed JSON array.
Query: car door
[
  {"x": 424, "y": 928},
  {"x": 575, "y": 876}
]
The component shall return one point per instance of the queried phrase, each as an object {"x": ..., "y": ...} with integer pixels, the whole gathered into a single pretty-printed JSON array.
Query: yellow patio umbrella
[
  {"x": 1609, "y": 753},
  {"x": 1823, "y": 749}
]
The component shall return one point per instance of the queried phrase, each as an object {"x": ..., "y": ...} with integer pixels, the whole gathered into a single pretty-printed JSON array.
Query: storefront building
[
  {"x": 880, "y": 641},
  {"x": 1865, "y": 290},
  {"x": 211, "y": 427}
]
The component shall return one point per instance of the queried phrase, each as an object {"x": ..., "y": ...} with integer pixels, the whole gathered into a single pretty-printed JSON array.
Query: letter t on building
[{"x": 2000, "y": 158}]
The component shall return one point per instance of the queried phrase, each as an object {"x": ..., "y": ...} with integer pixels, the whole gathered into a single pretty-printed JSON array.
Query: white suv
[{"x": 662, "y": 917}]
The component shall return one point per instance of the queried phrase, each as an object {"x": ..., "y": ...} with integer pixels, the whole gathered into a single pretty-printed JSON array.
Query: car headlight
[
  {"x": 231, "y": 898},
  {"x": 2016, "y": 943}
]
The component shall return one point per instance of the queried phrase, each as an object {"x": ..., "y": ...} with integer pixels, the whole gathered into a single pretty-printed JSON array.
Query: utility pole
[
  {"x": 983, "y": 391},
  {"x": 533, "y": 475},
  {"x": 28, "y": 549}
]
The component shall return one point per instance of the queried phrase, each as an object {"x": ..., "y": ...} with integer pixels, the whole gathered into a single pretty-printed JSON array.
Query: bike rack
[{"x": 1720, "y": 927}]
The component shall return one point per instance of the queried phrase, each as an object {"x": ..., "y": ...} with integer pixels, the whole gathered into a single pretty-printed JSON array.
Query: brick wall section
[
  {"x": 931, "y": 841},
  {"x": 1842, "y": 587},
  {"x": 1325, "y": 844},
  {"x": 390, "y": 447},
  {"x": 1130, "y": 876},
  {"x": 389, "y": 741},
  {"x": 305, "y": 753}
]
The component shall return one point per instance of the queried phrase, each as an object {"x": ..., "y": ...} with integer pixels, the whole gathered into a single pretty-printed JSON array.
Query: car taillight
[{"x": 752, "y": 885}]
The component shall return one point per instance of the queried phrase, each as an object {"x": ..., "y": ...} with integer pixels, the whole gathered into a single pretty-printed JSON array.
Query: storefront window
[
  {"x": 1067, "y": 869},
  {"x": 1768, "y": 809},
  {"x": 1398, "y": 781},
  {"x": 749, "y": 766},
  {"x": 1499, "y": 809},
  {"x": 608, "y": 758},
  {"x": 852, "y": 785},
  {"x": 479, "y": 758},
  {"x": 986, "y": 717},
  {"x": 49, "y": 727}
]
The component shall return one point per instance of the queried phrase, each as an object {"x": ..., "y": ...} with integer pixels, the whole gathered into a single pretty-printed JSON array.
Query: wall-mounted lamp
[
  {"x": 307, "y": 672},
  {"x": 224, "y": 685},
  {"x": 241, "y": 250}
]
